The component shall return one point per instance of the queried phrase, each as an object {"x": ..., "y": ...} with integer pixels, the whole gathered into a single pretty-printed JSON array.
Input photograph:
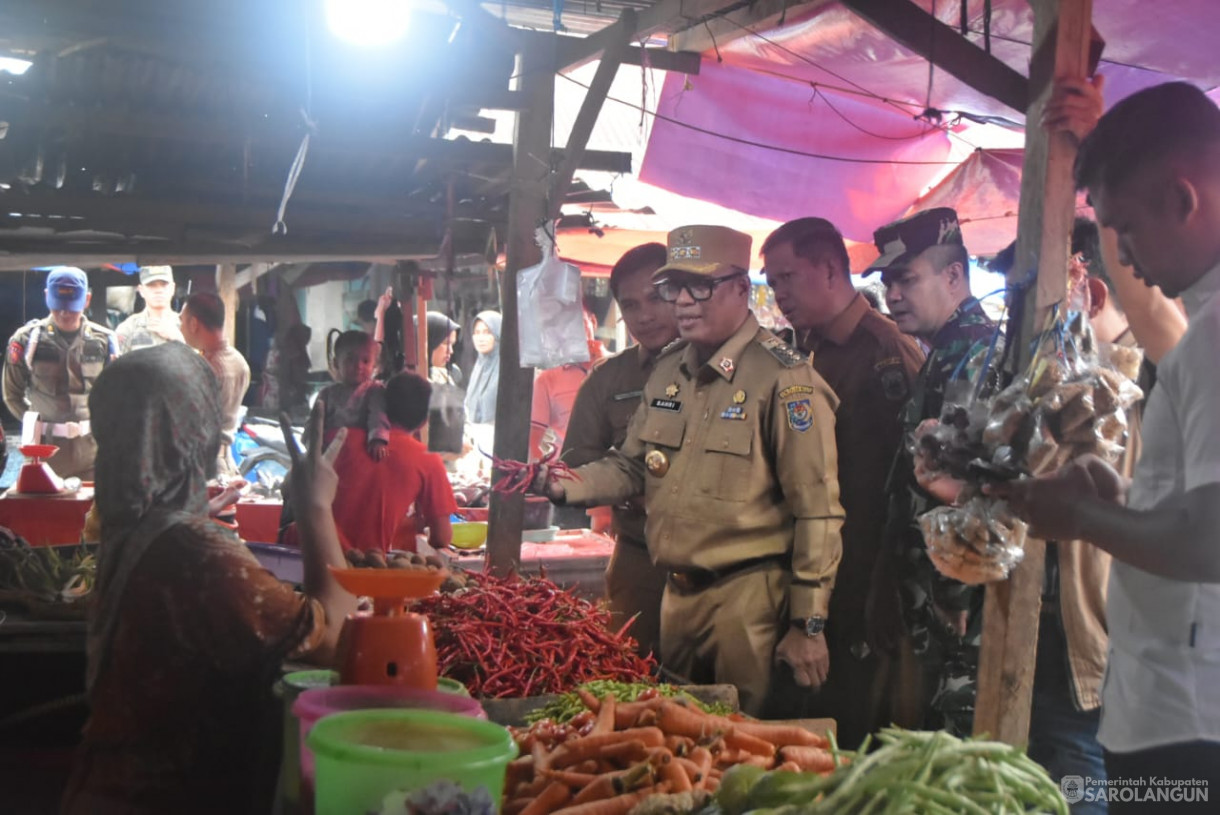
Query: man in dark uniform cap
[
  {"x": 871, "y": 366},
  {"x": 926, "y": 272},
  {"x": 734, "y": 449},
  {"x": 50, "y": 368}
]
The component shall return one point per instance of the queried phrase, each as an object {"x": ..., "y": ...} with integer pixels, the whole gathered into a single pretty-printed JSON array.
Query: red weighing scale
[
  {"x": 390, "y": 646},
  {"x": 36, "y": 476}
]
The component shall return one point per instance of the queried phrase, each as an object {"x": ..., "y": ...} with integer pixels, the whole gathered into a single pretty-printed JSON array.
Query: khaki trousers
[
  {"x": 634, "y": 586},
  {"x": 727, "y": 634}
]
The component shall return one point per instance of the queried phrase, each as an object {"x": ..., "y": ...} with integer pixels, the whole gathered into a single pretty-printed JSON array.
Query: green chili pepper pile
[
  {"x": 569, "y": 705},
  {"x": 930, "y": 773}
]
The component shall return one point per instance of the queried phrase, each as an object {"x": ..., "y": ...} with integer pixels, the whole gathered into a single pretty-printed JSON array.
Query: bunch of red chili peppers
[
  {"x": 519, "y": 475},
  {"x": 517, "y": 637}
]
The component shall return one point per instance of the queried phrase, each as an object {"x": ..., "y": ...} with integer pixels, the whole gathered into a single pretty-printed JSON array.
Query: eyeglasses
[{"x": 699, "y": 288}]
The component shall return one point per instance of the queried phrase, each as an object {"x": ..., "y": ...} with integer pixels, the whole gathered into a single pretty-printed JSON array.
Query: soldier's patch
[
  {"x": 894, "y": 385},
  {"x": 735, "y": 412},
  {"x": 794, "y": 390},
  {"x": 666, "y": 404},
  {"x": 14, "y": 352},
  {"x": 800, "y": 414}
]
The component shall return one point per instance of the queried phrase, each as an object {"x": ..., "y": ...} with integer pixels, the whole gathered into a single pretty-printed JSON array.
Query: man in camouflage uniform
[
  {"x": 50, "y": 368},
  {"x": 157, "y": 323},
  {"x": 925, "y": 269}
]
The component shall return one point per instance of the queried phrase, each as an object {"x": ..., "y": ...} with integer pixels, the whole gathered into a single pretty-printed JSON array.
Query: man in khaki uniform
[
  {"x": 734, "y": 448},
  {"x": 50, "y": 368},
  {"x": 157, "y": 323},
  {"x": 605, "y": 403}
]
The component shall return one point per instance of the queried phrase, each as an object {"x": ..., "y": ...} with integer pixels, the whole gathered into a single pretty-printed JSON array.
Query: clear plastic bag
[
  {"x": 978, "y": 542},
  {"x": 550, "y": 312}
]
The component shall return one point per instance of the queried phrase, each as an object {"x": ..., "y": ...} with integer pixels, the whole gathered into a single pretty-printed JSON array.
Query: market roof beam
[
  {"x": 664, "y": 17},
  {"x": 915, "y": 29},
  {"x": 724, "y": 27},
  {"x": 368, "y": 142},
  {"x": 590, "y": 109}
]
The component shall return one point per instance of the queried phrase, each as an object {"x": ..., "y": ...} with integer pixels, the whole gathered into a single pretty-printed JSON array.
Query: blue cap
[{"x": 67, "y": 289}]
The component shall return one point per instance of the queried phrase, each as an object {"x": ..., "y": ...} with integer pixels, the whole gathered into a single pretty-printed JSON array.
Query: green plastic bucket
[
  {"x": 368, "y": 760},
  {"x": 446, "y": 685}
]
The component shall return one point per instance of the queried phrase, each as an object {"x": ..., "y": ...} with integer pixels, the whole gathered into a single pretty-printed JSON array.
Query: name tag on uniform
[
  {"x": 623, "y": 397},
  {"x": 666, "y": 404}
]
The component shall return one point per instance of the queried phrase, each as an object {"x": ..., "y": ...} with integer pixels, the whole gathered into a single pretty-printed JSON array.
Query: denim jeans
[{"x": 1061, "y": 738}]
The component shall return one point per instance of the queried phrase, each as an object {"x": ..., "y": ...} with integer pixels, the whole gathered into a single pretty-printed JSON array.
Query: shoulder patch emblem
[
  {"x": 800, "y": 414},
  {"x": 788, "y": 356},
  {"x": 15, "y": 352},
  {"x": 794, "y": 390},
  {"x": 894, "y": 385}
]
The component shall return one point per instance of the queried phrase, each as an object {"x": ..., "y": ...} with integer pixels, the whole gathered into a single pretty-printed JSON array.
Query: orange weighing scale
[{"x": 390, "y": 646}]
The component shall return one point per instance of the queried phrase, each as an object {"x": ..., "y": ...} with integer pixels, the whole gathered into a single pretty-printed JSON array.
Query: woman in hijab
[
  {"x": 485, "y": 377},
  {"x": 187, "y": 631},
  {"x": 442, "y": 334}
]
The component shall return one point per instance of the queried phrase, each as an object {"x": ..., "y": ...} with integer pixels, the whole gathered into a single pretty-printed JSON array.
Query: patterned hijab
[
  {"x": 485, "y": 376},
  {"x": 156, "y": 420}
]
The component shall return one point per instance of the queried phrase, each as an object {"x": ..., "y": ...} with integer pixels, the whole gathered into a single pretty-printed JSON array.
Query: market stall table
[
  {"x": 48, "y": 520},
  {"x": 577, "y": 558}
]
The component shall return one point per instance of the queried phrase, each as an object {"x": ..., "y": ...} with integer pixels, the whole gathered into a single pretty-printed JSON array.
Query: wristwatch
[{"x": 810, "y": 626}]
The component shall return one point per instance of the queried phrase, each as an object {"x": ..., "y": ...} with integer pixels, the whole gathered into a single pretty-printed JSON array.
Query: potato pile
[{"x": 396, "y": 559}]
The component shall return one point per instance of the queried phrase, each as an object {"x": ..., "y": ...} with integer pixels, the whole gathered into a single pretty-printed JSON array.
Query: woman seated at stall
[
  {"x": 187, "y": 631},
  {"x": 384, "y": 503}
]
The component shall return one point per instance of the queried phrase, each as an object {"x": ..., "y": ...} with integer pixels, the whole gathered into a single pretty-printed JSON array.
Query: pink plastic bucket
[{"x": 312, "y": 705}]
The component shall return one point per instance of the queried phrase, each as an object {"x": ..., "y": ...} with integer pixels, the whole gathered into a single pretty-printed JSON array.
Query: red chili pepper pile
[{"x": 516, "y": 637}]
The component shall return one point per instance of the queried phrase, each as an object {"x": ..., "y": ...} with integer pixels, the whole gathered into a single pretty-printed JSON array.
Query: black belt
[{"x": 689, "y": 581}]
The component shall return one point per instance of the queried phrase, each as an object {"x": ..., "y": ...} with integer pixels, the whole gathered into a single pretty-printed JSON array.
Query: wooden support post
[
  {"x": 226, "y": 288},
  {"x": 526, "y": 211},
  {"x": 590, "y": 108},
  {"x": 1012, "y": 609}
]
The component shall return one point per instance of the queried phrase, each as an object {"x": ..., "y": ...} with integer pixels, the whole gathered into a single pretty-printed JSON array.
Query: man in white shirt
[{"x": 1152, "y": 170}]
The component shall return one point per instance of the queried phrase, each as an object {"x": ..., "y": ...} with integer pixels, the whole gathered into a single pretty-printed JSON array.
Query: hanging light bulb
[{"x": 373, "y": 23}]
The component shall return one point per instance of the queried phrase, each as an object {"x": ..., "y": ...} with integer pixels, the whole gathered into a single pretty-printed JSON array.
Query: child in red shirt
[{"x": 409, "y": 486}]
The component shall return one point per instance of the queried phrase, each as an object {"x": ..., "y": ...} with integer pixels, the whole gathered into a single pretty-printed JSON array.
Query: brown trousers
[
  {"x": 634, "y": 586},
  {"x": 727, "y": 634}
]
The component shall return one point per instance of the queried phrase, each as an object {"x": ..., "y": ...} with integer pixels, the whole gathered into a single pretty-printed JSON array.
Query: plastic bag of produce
[
  {"x": 550, "y": 311},
  {"x": 979, "y": 542}
]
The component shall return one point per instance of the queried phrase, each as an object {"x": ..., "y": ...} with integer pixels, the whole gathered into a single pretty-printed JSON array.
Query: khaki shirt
[
  {"x": 52, "y": 375},
  {"x": 605, "y": 403},
  {"x": 871, "y": 366},
  {"x": 141, "y": 331},
  {"x": 751, "y": 469},
  {"x": 233, "y": 375}
]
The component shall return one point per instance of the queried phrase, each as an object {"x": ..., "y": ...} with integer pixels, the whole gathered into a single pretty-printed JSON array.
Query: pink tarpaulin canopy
[
  {"x": 787, "y": 179},
  {"x": 829, "y": 83}
]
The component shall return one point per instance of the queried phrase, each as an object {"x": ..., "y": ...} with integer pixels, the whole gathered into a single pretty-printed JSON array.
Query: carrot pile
[
  {"x": 612, "y": 756},
  {"x": 517, "y": 637}
]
